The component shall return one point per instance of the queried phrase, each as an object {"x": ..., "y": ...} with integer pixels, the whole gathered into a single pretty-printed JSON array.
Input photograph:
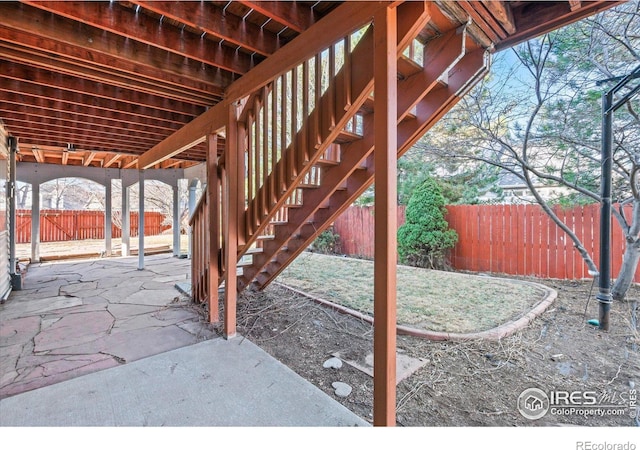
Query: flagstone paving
[{"x": 77, "y": 317}]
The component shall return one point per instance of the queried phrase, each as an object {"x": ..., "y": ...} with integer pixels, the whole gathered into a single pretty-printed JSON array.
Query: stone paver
[
  {"x": 78, "y": 317},
  {"x": 74, "y": 329},
  {"x": 37, "y": 306}
]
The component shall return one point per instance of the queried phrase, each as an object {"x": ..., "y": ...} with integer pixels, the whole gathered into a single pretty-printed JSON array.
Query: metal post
[
  {"x": 141, "y": 221},
  {"x": 35, "y": 222},
  {"x": 107, "y": 218},
  {"x": 126, "y": 221},
  {"x": 604, "y": 295},
  {"x": 13, "y": 263},
  {"x": 176, "y": 220}
]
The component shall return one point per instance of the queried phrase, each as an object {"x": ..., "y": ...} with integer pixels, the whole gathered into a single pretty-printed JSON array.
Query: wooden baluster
[
  {"x": 347, "y": 72},
  {"x": 273, "y": 198},
  {"x": 317, "y": 122},
  {"x": 213, "y": 228},
  {"x": 284, "y": 121},
  {"x": 223, "y": 213},
  {"x": 265, "y": 153},
  {"x": 293, "y": 166},
  {"x": 306, "y": 85},
  {"x": 242, "y": 180},
  {"x": 331, "y": 89},
  {"x": 250, "y": 175},
  {"x": 258, "y": 168}
]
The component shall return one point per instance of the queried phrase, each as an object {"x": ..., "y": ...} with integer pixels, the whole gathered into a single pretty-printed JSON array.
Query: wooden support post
[
  {"x": 385, "y": 120},
  {"x": 231, "y": 238},
  {"x": 214, "y": 226}
]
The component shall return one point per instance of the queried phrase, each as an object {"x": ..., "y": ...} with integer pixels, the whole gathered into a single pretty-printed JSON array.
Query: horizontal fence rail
[
  {"x": 507, "y": 239},
  {"x": 75, "y": 225}
]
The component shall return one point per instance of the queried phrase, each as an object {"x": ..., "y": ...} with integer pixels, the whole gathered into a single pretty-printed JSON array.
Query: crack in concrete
[{"x": 117, "y": 358}]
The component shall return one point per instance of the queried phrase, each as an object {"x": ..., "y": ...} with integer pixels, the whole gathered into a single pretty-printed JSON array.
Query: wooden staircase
[{"x": 306, "y": 145}]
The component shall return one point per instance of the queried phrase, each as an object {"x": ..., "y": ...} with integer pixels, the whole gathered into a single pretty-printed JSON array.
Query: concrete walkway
[
  {"x": 165, "y": 364},
  {"x": 213, "y": 383}
]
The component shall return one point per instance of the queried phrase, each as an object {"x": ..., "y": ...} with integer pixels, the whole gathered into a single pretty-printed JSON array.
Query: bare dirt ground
[{"x": 463, "y": 383}]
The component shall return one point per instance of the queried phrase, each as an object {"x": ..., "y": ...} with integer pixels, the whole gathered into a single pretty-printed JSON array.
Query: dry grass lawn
[{"x": 428, "y": 299}]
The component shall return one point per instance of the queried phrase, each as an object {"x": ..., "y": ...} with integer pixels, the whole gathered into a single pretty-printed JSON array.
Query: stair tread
[
  {"x": 327, "y": 162},
  {"x": 347, "y": 136},
  {"x": 407, "y": 66}
]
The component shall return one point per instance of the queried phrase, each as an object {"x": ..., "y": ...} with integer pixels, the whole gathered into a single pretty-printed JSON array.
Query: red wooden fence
[
  {"x": 509, "y": 239},
  {"x": 70, "y": 225}
]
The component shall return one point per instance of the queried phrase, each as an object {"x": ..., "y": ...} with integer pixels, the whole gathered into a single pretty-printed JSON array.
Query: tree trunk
[
  {"x": 631, "y": 255},
  {"x": 627, "y": 271}
]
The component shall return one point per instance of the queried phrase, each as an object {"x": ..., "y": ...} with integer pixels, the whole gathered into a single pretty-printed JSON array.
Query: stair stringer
[{"x": 470, "y": 69}]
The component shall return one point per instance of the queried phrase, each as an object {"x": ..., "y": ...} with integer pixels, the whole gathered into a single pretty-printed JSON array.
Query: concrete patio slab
[{"x": 213, "y": 383}]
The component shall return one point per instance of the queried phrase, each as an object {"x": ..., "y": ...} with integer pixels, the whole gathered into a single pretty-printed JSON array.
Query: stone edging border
[{"x": 494, "y": 334}]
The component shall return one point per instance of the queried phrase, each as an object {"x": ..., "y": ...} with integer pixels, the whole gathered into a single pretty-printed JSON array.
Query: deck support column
[
  {"x": 232, "y": 150},
  {"x": 385, "y": 160},
  {"x": 213, "y": 190},
  {"x": 107, "y": 218},
  {"x": 176, "y": 220},
  {"x": 126, "y": 221},
  {"x": 35, "y": 222},
  {"x": 141, "y": 220}
]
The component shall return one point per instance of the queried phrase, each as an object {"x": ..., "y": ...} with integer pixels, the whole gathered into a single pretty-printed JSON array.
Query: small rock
[
  {"x": 342, "y": 389},
  {"x": 332, "y": 363},
  {"x": 557, "y": 357},
  {"x": 632, "y": 384}
]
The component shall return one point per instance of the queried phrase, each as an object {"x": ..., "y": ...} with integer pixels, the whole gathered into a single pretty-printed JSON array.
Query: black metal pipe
[{"x": 604, "y": 295}]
